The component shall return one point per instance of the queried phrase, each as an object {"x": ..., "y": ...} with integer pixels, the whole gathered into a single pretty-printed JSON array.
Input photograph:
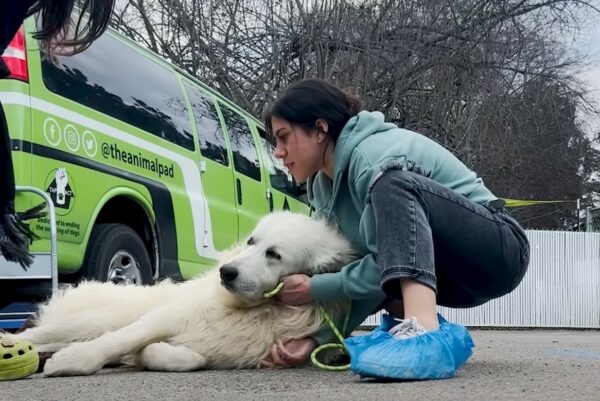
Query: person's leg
[
  {"x": 434, "y": 246},
  {"x": 11, "y": 242},
  {"x": 433, "y": 236},
  {"x": 7, "y": 180},
  {"x": 15, "y": 235},
  {"x": 419, "y": 303}
]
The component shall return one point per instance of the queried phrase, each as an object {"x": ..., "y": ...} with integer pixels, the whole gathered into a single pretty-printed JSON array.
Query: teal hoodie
[{"x": 367, "y": 147}]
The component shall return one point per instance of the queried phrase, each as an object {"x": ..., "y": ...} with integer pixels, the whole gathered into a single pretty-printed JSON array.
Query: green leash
[
  {"x": 329, "y": 346},
  {"x": 274, "y": 291}
]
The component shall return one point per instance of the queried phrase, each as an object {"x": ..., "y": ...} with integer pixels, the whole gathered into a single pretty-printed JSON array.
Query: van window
[
  {"x": 281, "y": 179},
  {"x": 116, "y": 80},
  {"x": 245, "y": 155},
  {"x": 210, "y": 134}
]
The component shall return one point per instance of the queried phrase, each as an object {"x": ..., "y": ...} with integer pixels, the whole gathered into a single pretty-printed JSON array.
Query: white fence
[{"x": 561, "y": 287}]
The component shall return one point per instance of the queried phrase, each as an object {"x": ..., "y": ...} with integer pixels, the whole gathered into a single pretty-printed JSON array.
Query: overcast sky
[{"x": 588, "y": 41}]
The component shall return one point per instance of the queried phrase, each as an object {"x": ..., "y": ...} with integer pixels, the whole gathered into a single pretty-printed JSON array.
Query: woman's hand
[
  {"x": 296, "y": 290},
  {"x": 290, "y": 354}
]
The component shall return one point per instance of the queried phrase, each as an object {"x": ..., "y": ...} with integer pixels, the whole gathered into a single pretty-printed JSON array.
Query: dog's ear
[
  {"x": 333, "y": 254},
  {"x": 330, "y": 251},
  {"x": 330, "y": 263}
]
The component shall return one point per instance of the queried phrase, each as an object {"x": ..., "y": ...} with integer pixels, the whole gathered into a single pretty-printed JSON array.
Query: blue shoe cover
[{"x": 432, "y": 355}]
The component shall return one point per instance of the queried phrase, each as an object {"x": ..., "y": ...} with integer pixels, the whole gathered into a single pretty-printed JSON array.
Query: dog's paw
[{"x": 76, "y": 359}]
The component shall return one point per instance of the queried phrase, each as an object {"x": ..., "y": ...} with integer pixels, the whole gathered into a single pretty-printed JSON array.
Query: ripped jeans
[{"x": 467, "y": 252}]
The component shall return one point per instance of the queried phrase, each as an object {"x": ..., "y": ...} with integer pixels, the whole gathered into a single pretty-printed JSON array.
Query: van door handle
[
  {"x": 270, "y": 198},
  {"x": 238, "y": 184}
]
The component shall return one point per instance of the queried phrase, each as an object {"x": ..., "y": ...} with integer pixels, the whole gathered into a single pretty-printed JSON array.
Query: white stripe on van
[{"x": 189, "y": 169}]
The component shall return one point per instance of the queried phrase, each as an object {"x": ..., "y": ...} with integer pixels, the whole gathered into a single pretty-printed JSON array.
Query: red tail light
[{"x": 15, "y": 57}]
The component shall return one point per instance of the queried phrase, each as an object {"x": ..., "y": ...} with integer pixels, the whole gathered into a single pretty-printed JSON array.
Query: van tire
[{"x": 116, "y": 253}]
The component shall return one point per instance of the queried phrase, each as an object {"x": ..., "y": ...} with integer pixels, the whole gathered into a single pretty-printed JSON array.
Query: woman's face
[{"x": 300, "y": 150}]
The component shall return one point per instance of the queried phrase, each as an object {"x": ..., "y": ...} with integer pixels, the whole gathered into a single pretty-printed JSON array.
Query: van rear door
[{"x": 216, "y": 166}]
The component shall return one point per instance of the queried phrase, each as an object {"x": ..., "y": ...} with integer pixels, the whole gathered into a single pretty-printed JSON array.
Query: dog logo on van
[{"x": 60, "y": 189}]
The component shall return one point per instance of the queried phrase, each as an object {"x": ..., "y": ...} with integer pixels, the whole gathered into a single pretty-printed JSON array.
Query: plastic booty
[{"x": 432, "y": 355}]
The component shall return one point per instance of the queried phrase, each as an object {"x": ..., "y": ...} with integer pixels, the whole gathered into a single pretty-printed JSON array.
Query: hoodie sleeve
[{"x": 358, "y": 280}]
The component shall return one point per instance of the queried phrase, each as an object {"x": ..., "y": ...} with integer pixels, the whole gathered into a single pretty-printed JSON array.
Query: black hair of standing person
[
  {"x": 56, "y": 16},
  {"x": 64, "y": 27}
]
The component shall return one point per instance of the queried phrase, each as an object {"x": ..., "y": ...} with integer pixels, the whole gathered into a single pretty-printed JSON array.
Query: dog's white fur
[{"x": 195, "y": 324}]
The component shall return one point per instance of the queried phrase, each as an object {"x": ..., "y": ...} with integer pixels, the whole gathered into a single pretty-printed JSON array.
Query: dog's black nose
[{"x": 228, "y": 273}]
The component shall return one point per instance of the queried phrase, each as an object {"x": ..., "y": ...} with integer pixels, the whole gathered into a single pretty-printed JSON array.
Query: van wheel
[{"x": 116, "y": 253}]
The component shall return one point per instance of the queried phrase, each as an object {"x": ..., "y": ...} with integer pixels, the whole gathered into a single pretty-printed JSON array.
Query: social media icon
[
  {"x": 72, "y": 138},
  {"x": 90, "y": 146},
  {"x": 52, "y": 132}
]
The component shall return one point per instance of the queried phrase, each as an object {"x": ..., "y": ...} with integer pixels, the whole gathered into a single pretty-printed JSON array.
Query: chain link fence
[{"x": 593, "y": 220}]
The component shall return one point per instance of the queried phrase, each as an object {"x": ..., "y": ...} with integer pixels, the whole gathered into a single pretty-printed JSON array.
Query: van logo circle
[
  {"x": 52, "y": 131},
  {"x": 90, "y": 146},
  {"x": 72, "y": 138},
  {"x": 61, "y": 188}
]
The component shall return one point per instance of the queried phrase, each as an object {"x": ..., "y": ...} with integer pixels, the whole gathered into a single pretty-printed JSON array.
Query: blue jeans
[{"x": 467, "y": 252}]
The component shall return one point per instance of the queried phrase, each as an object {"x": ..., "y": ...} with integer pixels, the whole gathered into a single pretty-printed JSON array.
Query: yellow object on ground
[{"x": 18, "y": 359}]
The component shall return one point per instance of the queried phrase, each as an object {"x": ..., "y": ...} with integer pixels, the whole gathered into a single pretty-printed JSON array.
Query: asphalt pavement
[{"x": 507, "y": 365}]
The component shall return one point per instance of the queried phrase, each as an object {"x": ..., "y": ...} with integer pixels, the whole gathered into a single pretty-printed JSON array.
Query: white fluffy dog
[{"x": 218, "y": 320}]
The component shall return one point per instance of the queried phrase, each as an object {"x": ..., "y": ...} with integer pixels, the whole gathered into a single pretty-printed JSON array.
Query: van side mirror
[
  {"x": 282, "y": 183},
  {"x": 279, "y": 182},
  {"x": 300, "y": 189}
]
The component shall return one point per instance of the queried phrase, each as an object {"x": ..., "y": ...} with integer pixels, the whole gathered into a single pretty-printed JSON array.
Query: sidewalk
[{"x": 507, "y": 365}]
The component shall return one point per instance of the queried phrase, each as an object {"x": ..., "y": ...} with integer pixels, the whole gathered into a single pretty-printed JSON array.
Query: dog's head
[{"x": 283, "y": 243}]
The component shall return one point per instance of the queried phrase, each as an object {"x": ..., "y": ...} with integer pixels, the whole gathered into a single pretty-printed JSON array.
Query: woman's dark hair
[
  {"x": 93, "y": 19},
  {"x": 311, "y": 99}
]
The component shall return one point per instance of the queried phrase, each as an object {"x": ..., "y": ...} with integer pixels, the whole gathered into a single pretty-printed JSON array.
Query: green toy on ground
[{"x": 18, "y": 359}]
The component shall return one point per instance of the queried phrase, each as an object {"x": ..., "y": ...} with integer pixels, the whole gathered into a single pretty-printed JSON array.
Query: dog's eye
[
  {"x": 272, "y": 254},
  {"x": 250, "y": 241}
]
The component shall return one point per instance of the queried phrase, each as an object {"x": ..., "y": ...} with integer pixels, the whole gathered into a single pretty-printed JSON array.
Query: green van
[{"x": 151, "y": 172}]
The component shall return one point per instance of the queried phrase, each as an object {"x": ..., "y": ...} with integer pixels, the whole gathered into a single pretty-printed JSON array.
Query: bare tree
[{"x": 472, "y": 74}]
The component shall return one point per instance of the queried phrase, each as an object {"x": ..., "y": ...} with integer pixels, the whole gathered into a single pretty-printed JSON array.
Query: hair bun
[{"x": 354, "y": 102}]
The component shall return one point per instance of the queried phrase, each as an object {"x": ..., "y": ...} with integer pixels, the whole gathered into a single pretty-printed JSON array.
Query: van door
[
  {"x": 216, "y": 168},
  {"x": 284, "y": 192},
  {"x": 251, "y": 199}
]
